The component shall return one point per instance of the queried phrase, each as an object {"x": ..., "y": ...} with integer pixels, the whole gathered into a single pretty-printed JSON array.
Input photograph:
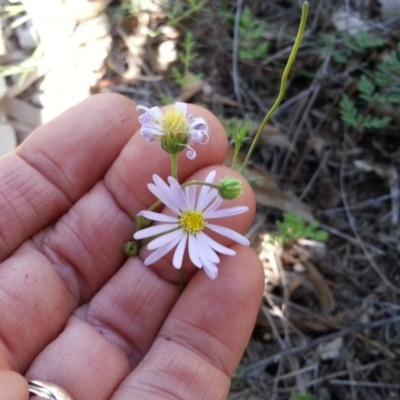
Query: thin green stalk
[
  {"x": 193, "y": 183},
  {"x": 174, "y": 165},
  {"x": 299, "y": 37},
  {"x": 187, "y": 13}
]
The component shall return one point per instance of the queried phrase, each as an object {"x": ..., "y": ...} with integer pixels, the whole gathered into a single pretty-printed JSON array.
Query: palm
[{"x": 73, "y": 310}]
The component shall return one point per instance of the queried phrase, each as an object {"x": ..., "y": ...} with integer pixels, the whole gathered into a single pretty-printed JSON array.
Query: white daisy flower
[
  {"x": 193, "y": 213},
  {"x": 173, "y": 128}
]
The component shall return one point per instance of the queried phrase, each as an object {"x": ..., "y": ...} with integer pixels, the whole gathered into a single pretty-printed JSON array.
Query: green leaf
[
  {"x": 371, "y": 122},
  {"x": 349, "y": 113},
  {"x": 366, "y": 89}
]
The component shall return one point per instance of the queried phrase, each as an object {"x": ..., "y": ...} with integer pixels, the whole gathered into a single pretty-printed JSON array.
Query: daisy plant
[{"x": 188, "y": 227}]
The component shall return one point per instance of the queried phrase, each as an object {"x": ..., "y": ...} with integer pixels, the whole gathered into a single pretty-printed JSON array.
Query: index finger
[{"x": 58, "y": 163}]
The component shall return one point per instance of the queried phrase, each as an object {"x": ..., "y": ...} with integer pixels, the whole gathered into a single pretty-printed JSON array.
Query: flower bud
[
  {"x": 142, "y": 222},
  {"x": 131, "y": 248},
  {"x": 230, "y": 188},
  {"x": 174, "y": 144}
]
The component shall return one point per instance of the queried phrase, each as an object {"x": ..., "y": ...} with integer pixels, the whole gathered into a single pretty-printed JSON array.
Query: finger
[
  {"x": 201, "y": 342},
  {"x": 58, "y": 163},
  {"x": 13, "y": 386},
  {"x": 239, "y": 223},
  {"x": 129, "y": 311},
  {"x": 66, "y": 264}
]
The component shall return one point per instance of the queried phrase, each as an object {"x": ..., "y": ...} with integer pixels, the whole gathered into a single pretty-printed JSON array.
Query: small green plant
[
  {"x": 346, "y": 46},
  {"x": 377, "y": 86},
  {"x": 251, "y": 30},
  {"x": 181, "y": 10},
  {"x": 237, "y": 132},
  {"x": 165, "y": 99},
  {"x": 186, "y": 57},
  {"x": 302, "y": 396},
  {"x": 294, "y": 227}
]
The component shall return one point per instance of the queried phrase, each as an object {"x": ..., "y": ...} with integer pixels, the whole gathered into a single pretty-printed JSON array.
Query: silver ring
[{"x": 48, "y": 391}]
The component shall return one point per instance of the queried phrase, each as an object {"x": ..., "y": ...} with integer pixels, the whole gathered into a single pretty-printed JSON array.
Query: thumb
[{"x": 13, "y": 386}]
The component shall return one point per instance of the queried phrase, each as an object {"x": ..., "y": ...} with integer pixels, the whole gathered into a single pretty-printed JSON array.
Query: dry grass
[{"x": 329, "y": 323}]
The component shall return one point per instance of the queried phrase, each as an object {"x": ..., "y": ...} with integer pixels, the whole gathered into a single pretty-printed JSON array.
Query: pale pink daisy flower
[
  {"x": 173, "y": 128},
  {"x": 193, "y": 212}
]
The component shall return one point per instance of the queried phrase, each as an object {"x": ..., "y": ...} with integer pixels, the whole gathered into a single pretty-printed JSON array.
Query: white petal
[
  {"x": 160, "y": 252},
  {"x": 155, "y": 216},
  {"x": 178, "y": 193},
  {"x": 210, "y": 268},
  {"x": 205, "y": 189},
  {"x": 181, "y": 106},
  {"x": 180, "y": 250},
  {"x": 229, "y": 233},
  {"x": 206, "y": 251},
  {"x": 191, "y": 197},
  {"x": 153, "y": 230},
  {"x": 215, "y": 205},
  {"x": 227, "y": 212},
  {"x": 143, "y": 108},
  {"x": 204, "y": 202},
  {"x": 210, "y": 177},
  {"x": 164, "y": 197},
  {"x": 193, "y": 252},
  {"x": 164, "y": 239},
  {"x": 160, "y": 183},
  {"x": 190, "y": 154},
  {"x": 217, "y": 246}
]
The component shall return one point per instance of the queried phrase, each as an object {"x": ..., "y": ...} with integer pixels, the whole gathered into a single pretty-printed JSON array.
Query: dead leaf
[
  {"x": 389, "y": 9},
  {"x": 190, "y": 89},
  {"x": 348, "y": 21},
  {"x": 8, "y": 140},
  {"x": 268, "y": 193},
  {"x": 320, "y": 288},
  {"x": 271, "y": 136},
  {"x": 23, "y": 111}
]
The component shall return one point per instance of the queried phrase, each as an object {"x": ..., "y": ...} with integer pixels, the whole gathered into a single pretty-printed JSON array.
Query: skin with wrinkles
[{"x": 73, "y": 310}]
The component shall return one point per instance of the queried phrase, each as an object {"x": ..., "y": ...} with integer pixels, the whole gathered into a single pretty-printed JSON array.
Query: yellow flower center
[
  {"x": 174, "y": 123},
  {"x": 192, "y": 221}
]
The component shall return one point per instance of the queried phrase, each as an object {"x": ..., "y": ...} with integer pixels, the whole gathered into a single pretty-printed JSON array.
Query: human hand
[{"x": 73, "y": 310}]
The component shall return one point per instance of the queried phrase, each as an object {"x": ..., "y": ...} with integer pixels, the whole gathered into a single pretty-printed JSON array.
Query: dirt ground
[{"x": 329, "y": 325}]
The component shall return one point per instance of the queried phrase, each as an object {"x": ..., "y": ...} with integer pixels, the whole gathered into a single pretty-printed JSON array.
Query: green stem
[
  {"x": 299, "y": 37},
  {"x": 174, "y": 165},
  {"x": 187, "y": 13},
  {"x": 193, "y": 183},
  {"x": 155, "y": 205}
]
